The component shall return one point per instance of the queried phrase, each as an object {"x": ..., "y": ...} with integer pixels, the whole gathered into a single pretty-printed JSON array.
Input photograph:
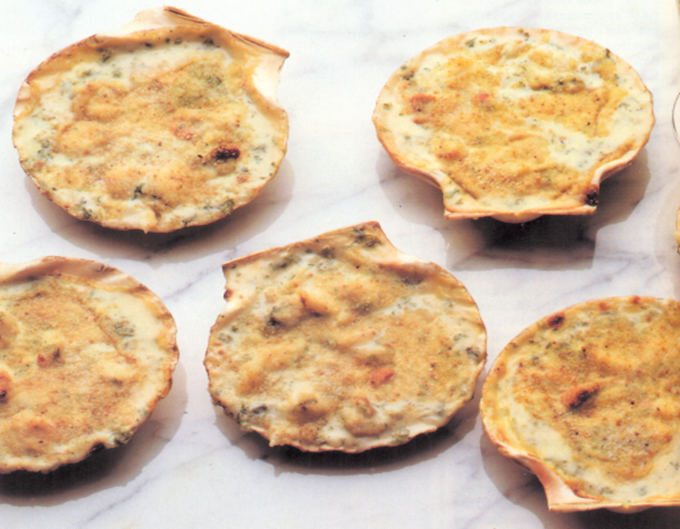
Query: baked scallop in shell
[
  {"x": 588, "y": 400},
  {"x": 86, "y": 352},
  {"x": 169, "y": 122},
  {"x": 514, "y": 123},
  {"x": 342, "y": 342}
]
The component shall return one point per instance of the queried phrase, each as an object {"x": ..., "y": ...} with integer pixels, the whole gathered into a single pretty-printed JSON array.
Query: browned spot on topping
[
  {"x": 576, "y": 396},
  {"x": 592, "y": 196},
  {"x": 5, "y": 385},
  {"x": 369, "y": 241},
  {"x": 223, "y": 152},
  {"x": 46, "y": 360},
  {"x": 419, "y": 101},
  {"x": 328, "y": 252},
  {"x": 556, "y": 321},
  {"x": 365, "y": 407},
  {"x": 228, "y": 293},
  {"x": 381, "y": 375},
  {"x": 309, "y": 410},
  {"x": 184, "y": 134}
]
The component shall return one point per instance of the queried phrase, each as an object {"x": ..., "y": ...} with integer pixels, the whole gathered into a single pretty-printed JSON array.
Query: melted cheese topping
[
  {"x": 593, "y": 393},
  {"x": 82, "y": 364},
  {"x": 158, "y": 131},
  {"x": 511, "y": 120},
  {"x": 340, "y": 344}
]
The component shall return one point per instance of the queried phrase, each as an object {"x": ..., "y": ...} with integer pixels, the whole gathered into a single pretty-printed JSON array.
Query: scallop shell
[
  {"x": 169, "y": 122},
  {"x": 87, "y": 352},
  {"x": 514, "y": 123}
]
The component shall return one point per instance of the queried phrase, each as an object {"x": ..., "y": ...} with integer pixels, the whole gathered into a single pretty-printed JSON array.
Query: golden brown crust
[
  {"x": 342, "y": 342},
  {"x": 586, "y": 399},
  {"x": 118, "y": 128},
  {"x": 514, "y": 123},
  {"x": 86, "y": 353}
]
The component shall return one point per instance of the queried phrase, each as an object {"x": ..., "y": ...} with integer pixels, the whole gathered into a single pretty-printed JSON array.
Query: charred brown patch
[
  {"x": 223, "y": 153},
  {"x": 575, "y": 397},
  {"x": 328, "y": 252},
  {"x": 366, "y": 239},
  {"x": 592, "y": 196},
  {"x": 556, "y": 320},
  {"x": 5, "y": 385}
]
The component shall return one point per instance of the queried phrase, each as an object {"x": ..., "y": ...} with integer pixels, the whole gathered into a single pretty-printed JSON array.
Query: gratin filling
[
  {"x": 81, "y": 364},
  {"x": 511, "y": 120},
  {"x": 327, "y": 345},
  {"x": 163, "y": 131},
  {"x": 594, "y": 393}
]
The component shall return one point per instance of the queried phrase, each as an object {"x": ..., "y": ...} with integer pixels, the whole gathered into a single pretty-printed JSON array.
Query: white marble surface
[{"x": 190, "y": 466}]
